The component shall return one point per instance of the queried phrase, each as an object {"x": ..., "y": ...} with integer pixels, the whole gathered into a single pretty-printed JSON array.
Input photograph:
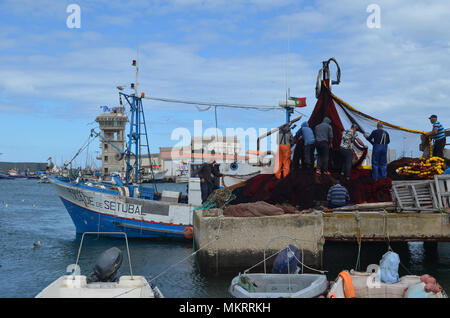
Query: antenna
[
  {"x": 289, "y": 62},
  {"x": 137, "y": 71}
]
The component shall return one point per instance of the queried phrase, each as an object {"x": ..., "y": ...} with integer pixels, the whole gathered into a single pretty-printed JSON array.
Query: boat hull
[
  {"x": 279, "y": 285},
  {"x": 94, "y": 210}
]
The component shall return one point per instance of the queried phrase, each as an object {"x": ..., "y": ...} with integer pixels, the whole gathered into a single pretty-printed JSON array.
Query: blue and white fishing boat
[{"x": 125, "y": 205}]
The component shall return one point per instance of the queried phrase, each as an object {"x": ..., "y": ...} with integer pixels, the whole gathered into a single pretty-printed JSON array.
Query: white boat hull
[{"x": 69, "y": 286}]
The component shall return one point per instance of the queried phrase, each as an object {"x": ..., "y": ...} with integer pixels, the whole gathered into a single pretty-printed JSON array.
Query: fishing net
[
  {"x": 404, "y": 142},
  {"x": 303, "y": 189}
]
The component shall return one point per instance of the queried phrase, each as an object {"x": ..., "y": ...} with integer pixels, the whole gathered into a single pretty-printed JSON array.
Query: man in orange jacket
[{"x": 283, "y": 159}]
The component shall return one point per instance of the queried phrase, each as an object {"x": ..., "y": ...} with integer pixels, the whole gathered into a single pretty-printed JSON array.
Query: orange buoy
[{"x": 188, "y": 233}]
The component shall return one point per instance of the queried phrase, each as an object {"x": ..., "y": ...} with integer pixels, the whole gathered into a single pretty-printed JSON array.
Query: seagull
[
  {"x": 37, "y": 244},
  {"x": 121, "y": 87}
]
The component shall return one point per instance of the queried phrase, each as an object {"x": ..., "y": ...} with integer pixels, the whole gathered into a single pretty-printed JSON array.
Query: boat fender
[
  {"x": 349, "y": 291},
  {"x": 188, "y": 233}
]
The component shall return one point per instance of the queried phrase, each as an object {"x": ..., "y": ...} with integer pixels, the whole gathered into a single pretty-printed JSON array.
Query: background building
[{"x": 112, "y": 126}]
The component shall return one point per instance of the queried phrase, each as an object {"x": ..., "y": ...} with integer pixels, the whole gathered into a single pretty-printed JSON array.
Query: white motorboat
[{"x": 103, "y": 283}]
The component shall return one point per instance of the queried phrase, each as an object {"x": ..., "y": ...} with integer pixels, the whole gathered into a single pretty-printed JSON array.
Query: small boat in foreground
[
  {"x": 285, "y": 281},
  {"x": 383, "y": 281},
  {"x": 262, "y": 285},
  {"x": 353, "y": 284},
  {"x": 103, "y": 283}
]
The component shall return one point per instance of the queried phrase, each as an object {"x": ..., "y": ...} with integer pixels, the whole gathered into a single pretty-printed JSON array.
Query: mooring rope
[
  {"x": 259, "y": 263},
  {"x": 217, "y": 236}
]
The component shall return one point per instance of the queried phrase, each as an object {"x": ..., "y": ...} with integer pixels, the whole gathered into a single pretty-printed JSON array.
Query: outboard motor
[
  {"x": 107, "y": 266},
  {"x": 286, "y": 261}
]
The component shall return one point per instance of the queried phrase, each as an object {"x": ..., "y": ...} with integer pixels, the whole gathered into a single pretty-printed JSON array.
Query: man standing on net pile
[
  {"x": 283, "y": 159},
  {"x": 346, "y": 150},
  {"x": 379, "y": 138},
  {"x": 438, "y": 136},
  {"x": 324, "y": 139}
]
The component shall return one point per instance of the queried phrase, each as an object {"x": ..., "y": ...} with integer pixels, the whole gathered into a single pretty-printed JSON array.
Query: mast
[{"x": 138, "y": 129}]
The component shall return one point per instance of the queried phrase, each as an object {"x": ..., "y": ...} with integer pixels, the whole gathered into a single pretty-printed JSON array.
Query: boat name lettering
[
  {"x": 123, "y": 207},
  {"x": 80, "y": 196}
]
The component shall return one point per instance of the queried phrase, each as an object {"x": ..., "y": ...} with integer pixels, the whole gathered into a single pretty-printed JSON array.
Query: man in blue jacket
[
  {"x": 379, "y": 138},
  {"x": 307, "y": 135}
]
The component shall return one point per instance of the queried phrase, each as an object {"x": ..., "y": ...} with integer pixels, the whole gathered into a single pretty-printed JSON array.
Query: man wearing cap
[
  {"x": 379, "y": 138},
  {"x": 438, "y": 136}
]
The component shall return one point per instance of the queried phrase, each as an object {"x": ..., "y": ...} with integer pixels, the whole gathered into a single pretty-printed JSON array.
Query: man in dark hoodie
[
  {"x": 207, "y": 174},
  {"x": 324, "y": 139}
]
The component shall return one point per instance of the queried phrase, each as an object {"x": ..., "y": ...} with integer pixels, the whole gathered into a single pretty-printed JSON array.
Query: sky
[{"x": 53, "y": 79}]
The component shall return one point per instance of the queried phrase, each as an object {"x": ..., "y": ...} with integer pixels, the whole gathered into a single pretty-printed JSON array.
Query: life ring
[
  {"x": 349, "y": 291},
  {"x": 263, "y": 156},
  {"x": 188, "y": 233}
]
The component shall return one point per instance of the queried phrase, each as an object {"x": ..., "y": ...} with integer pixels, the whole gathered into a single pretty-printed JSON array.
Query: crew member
[
  {"x": 438, "y": 136},
  {"x": 324, "y": 138},
  {"x": 379, "y": 138},
  {"x": 207, "y": 173},
  {"x": 337, "y": 195},
  {"x": 346, "y": 149},
  {"x": 307, "y": 135},
  {"x": 283, "y": 160},
  {"x": 446, "y": 167}
]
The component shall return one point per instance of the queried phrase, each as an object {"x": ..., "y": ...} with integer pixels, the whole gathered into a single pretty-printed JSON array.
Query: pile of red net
[{"x": 303, "y": 189}]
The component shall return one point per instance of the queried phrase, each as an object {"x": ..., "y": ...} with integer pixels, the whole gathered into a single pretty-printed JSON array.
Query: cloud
[{"x": 222, "y": 51}]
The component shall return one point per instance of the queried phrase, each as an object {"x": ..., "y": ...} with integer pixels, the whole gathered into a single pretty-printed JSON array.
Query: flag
[
  {"x": 299, "y": 101},
  {"x": 105, "y": 108}
]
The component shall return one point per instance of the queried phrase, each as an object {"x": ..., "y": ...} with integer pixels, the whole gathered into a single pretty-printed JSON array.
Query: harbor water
[{"x": 32, "y": 212}]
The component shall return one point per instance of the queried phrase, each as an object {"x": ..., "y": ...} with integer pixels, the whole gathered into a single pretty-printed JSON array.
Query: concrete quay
[{"x": 236, "y": 244}]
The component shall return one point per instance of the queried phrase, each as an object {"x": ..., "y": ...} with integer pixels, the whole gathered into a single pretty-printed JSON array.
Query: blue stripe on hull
[{"x": 89, "y": 221}]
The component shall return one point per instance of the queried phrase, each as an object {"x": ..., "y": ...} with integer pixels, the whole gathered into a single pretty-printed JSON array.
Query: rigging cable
[{"x": 255, "y": 107}]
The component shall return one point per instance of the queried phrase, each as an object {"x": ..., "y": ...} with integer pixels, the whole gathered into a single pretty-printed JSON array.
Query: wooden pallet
[
  {"x": 415, "y": 196},
  {"x": 442, "y": 184}
]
